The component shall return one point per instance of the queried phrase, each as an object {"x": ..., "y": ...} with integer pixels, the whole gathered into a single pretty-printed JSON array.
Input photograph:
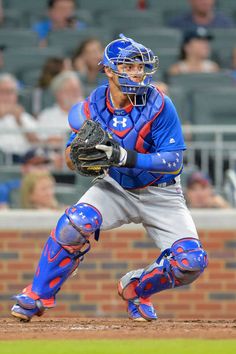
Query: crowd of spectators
[{"x": 65, "y": 80}]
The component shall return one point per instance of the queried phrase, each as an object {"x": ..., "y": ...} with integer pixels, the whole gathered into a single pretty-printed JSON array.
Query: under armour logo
[{"x": 116, "y": 122}]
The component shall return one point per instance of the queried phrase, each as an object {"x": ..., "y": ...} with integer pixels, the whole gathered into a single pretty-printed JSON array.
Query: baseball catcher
[{"x": 128, "y": 133}]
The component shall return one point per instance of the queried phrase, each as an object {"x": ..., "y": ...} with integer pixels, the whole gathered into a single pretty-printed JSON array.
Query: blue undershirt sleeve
[{"x": 168, "y": 162}]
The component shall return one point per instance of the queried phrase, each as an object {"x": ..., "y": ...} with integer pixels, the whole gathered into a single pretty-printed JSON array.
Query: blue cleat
[
  {"x": 141, "y": 310},
  {"x": 28, "y": 304},
  {"x": 133, "y": 312},
  {"x": 23, "y": 314}
]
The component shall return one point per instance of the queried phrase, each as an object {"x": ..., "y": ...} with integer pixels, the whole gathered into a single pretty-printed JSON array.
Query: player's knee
[
  {"x": 188, "y": 260},
  {"x": 77, "y": 224}
]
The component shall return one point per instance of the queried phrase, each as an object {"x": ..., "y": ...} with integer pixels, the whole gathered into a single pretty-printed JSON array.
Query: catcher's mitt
[{"x": 88, "y": 160}]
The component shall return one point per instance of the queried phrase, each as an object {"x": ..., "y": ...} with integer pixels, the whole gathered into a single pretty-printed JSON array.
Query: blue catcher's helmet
[{"x": 127, "y": 51}]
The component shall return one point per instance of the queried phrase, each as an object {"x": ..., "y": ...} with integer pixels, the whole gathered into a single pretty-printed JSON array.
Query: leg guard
[
  {"x": 181, "y": 264},
  {"x": 62, "y": 253}
]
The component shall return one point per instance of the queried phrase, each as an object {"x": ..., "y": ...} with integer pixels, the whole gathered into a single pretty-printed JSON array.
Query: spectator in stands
[
  {"x": 34, "y": 160},
  {"x": 67, "y": 90},
  {"x": 200, "y": 193},
  {"x": 86, "y": 59},
  {"x": 51, "y": 68},
  {"x": 194, "y": 54},
  {"x": 61, "y": 15},
  {"x": 202, "y": 13},
  {"x": 38, "y": 191},
  {"x": 13, "y": 118}
]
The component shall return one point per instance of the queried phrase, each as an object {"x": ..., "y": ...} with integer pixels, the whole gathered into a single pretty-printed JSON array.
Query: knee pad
[
  {"x": 181, "y": 264},
  {"x": 188, "y": 260},
  {"x": 77, "y": 224}
]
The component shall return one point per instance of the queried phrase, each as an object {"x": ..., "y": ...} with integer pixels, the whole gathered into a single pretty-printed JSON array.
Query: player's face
[
  {"x": 43, "y": 193},
  {"x": 198, "y": 48},
  {"x": 8, "y": 92},
  {"x": 62, "y": 11},
  {"x": 92, "y": 54},
  {"x": 199, "y": 195},
  {"x": 70, "y": 93},
  {"x": 202, "y": 6},
  {"x": 135, "y": 71}
]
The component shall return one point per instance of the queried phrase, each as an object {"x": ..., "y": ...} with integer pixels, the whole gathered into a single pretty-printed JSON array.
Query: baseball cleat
[
  {"x": 133, "y": 312},
  {"x": 23, "y": 314},
  {"x": 141, "y": 310},
  {"x": 28, "y": 305}
]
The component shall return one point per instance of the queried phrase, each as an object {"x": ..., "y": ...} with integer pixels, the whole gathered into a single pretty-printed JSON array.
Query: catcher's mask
[{"x": 127, "y": 51}]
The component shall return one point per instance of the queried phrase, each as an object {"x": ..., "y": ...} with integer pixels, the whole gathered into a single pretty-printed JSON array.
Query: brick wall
[{"x": 93, "y": 291}]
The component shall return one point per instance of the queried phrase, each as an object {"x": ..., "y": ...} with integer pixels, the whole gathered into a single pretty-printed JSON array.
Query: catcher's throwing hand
[{"x": 121, "y": 157}]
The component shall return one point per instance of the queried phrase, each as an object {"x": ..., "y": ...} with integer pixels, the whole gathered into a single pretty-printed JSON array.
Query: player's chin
[{"x": 136, "y": 80}]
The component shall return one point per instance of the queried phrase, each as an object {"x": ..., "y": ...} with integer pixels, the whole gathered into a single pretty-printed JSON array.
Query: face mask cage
[{"x": 135, "y": 54}]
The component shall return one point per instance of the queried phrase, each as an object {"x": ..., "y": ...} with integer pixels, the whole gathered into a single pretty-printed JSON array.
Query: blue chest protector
[{"x": 131, "y": 127}]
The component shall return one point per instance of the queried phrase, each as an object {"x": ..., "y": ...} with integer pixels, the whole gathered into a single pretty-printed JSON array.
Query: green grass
[{"x": 146, "y": 346}]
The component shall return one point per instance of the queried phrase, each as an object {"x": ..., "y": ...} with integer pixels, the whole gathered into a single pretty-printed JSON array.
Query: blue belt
[{"x": 165, "y": 184}]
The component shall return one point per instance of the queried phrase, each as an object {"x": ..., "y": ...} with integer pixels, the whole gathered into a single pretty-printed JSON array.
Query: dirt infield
[{"x": 100, "y": 328}]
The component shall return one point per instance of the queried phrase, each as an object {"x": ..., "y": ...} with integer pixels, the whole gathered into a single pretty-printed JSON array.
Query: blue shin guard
[
  {"x": 62, "y": 253},
  {"x": 181, "y": 264},
  {"x": 55, "y": 266}
]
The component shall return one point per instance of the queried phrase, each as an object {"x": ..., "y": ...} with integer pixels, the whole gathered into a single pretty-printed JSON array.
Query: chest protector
[{"x": 131, "y": 128}]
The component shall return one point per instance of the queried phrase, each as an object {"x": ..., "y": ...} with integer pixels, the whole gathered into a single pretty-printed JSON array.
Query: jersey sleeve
[
  {"x": 166, "y": 129},
  {"x": 76, "y": 117}
]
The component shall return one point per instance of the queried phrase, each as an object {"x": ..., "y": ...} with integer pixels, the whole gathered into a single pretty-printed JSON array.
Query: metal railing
[{"x": 212, "y": 148}]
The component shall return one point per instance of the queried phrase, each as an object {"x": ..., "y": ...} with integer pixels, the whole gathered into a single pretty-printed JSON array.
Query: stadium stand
[
  {"x": 20, "y": 60},
  {"x": 222, "y": 45},
  {"x": 179, "y": 98},
  {"x": 17, "y": 38},
  {"x": 167, "y": 9},
  {"x": 228, "y": 7},
  {"x": 98, "y": 7},
  {"x": 119, "y": 21},
  {"x": 70, "y": 39},
  {"x": 214, "y": 106},
  {"x": 201, "y": 80},
  {"x": 157, "y": 38}
]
